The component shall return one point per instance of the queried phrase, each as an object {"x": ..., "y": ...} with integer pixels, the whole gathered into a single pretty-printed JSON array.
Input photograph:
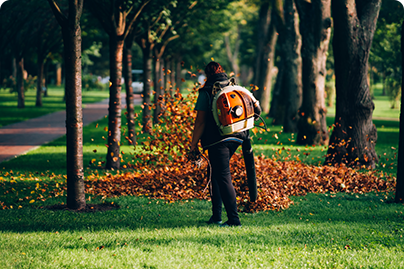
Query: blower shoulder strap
[{"x": 219, "y": 85}]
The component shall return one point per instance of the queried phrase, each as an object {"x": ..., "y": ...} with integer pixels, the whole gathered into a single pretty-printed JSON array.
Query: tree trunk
[
  {"x": 293, "y": 67},
  {"x": 232, "y": 56},
  {"x": 147, "y": 106},
  {"x": 74, "y": 118},
  {"x": 178, "y": 78},
  {"x": 165, "y": 75},
  {"x": 278, "y": 101},
  {"x": 315, "y": 26},
  {"x": 14, "y": 67},
  {"x": 71, "y": 33},
  {"x": 399, "y": 198},
  {"x": 267, "y": 38},
  {"x": 158, "y": 96},
  {"x": 245, "y": 74},
  {"x": 20, "y": 83},
  {"x": 172, "y": 77},
  {"x": 114, "y": 115},
  {"x": 354, "y": 136},
  {"x": 46, "y": 78},
  {"x": 39, "y": 82},
  {"x": 130, "y": 106},
  {"x": 58, "y": 74}
]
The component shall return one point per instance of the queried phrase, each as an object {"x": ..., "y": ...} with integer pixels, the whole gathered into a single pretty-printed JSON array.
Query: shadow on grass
[{"x": 143, "y": 213}]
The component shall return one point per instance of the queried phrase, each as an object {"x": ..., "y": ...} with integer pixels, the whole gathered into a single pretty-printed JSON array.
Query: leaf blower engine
[{"x": 234, "y": 108}]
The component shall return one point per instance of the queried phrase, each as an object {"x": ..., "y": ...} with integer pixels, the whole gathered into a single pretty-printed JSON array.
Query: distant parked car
[{"x": 137, "y": 80}]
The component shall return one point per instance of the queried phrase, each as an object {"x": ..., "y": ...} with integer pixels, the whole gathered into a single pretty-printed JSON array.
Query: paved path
[{"x": 21, "y": 137}]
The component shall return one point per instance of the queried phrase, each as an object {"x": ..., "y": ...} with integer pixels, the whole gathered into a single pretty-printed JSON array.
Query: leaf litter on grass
[{"x": 162, "y": 171}]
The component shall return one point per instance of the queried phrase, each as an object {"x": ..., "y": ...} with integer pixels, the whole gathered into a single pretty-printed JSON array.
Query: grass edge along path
[{"x": 52, "y": 103}]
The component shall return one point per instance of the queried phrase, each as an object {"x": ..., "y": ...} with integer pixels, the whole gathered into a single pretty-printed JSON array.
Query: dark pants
[{"x": 222, "y": 185}]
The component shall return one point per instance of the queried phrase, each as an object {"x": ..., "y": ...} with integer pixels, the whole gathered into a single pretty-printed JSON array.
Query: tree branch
[
  {"x": 129, "y": 25},
  {"x": 60, "y": 17},
  {"x": 163, "y": 47}
]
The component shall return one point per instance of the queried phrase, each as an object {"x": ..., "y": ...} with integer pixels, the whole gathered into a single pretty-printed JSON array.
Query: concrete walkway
[{"x": 21, "y": 137}]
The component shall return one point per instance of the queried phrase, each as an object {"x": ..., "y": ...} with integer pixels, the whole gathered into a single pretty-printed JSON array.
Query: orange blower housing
[{"x": 233, "y": 109}]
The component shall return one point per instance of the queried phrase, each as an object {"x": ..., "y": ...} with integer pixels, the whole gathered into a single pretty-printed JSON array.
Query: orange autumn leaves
[
  {"x": 164, "y": 172},
  {"x": 277, "y": 181},
  {"x": 160, "y": 170}
]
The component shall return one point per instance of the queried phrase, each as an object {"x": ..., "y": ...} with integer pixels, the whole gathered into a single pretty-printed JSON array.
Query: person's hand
[
  {"x": 195, "y": 156},
  {"x": 192, "y": 147}
]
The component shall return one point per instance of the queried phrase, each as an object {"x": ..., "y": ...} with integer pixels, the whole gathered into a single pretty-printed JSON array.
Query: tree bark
[
  {"x": 399, "y": 197},
  {"x": 147, "y": 107},
  {"x": 172, "y": 76},
  {"x": 354, "y": 136},
  {"x": 267, "y": 38},
  {"x": 278, "y": 101},
  {"x": 14, "y": 67},
  {"x": 232, "y": 56},
  {"x": 71, "y": 32},
  {"x": 178, "y": 68},
  {"x": 20, "y": 83},
  {"x": 315, "y": 27},
  {"x": 39, "y": 82},
  {"x": 293, "y": 67},
  {"x": 130, "y": 106},
  {"x": 58, "y": 74},
  {"x": 114, "y": 115},
  {"x": 158, "y": 94}
]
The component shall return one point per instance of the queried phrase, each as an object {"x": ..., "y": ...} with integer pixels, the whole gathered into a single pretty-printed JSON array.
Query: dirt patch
[{"x": 88, "y": 208}]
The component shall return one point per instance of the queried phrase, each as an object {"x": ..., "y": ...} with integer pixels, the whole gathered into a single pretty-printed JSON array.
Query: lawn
[
  {"x": 332, "y": 230},
  {"x": 52, "y": 103}
]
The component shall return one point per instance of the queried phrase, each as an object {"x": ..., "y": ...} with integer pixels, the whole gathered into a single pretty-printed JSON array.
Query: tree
[
  {"x": 166, "y": 36},
  {"x": 240, "y": 16},
  {"x": 71, "y": 33},
  {"x": 154, "y": 24},
  {"x": 127, "y": 74},
  {"x": 399, "y": 197},
  {"x": 315, "y": 27},
  {"x": 15, "y": 32},
  {"x": 292, "y": 66},
  {"x": 265, "y": 50},
  {"x": 117, "y": 19},
  {"x": 45, "y": 32},
  {"x": 354, "y": 136},
  {"x": 385, "y": 55},
  {"x": 10, "y": 30}
]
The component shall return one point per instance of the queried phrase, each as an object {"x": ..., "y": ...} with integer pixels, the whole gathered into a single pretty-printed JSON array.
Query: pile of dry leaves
[{"x": 165, "y": 173}]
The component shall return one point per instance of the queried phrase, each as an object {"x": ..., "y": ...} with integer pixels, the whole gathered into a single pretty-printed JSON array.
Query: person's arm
[{"x": 199, "y": 127}]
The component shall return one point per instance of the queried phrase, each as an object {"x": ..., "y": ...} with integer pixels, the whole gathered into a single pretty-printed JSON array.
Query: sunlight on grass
[
  {"x": 319, "y": 231},
  {"x": 332, "y": 230}
]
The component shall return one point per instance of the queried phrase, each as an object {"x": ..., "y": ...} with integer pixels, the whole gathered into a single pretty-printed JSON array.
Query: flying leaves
[{"x": 161, "y": 171}]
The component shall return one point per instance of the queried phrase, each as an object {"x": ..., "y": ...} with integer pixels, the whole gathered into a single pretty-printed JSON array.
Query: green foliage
[
  {"x": 92, "y": 82},
  {"x": 93, "y": 50},
  {"x": 30, "y": 82},
  {"x": 9, "y": 84},
  {"x": 385, "y": 55}
]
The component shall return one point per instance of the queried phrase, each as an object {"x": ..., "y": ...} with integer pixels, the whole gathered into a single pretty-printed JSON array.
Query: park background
[{"x": 316, "y": 224}]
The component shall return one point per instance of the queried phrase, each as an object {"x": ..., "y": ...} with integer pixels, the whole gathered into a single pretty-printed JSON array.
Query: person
[{"x": 220, "y": 149}]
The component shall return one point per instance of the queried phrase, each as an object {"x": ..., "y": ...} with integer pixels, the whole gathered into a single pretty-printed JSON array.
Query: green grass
[
  {"x": 52, "y": 103},
  {"x": 382, "y": 103},
  {"x": 318, "y": 231}
]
